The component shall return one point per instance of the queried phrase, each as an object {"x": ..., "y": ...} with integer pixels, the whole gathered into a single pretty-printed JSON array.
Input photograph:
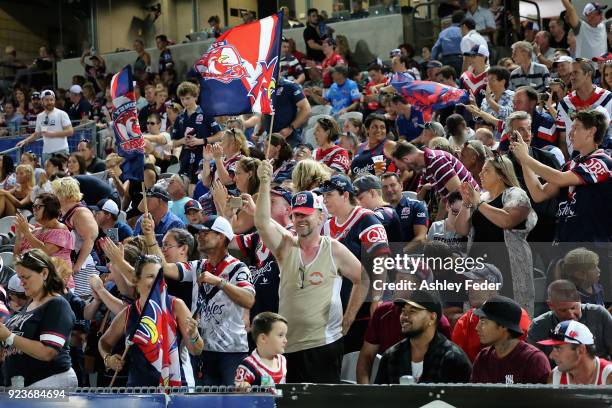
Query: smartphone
[
  {"x": 514, "y": 137},
  {"x": 544, "y": 97},
  {"x": 113, "y": 234},
  {"x": 235, "y": 202}
]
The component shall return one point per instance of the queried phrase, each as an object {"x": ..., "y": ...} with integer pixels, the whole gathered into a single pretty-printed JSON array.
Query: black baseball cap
[
  {"x": 422, "y": 299},
  {"x": 339, "y": 183},
  {"x": 158, "y": 192},
  {"x": 366, "y": 183},
  {"x": 503, "y": 311}
]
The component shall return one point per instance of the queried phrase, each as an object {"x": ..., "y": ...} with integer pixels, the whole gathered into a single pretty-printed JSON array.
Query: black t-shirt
[
  {"x": 97, "y": 165},
  {"x": 50, "y": 324},
  {"x": 93, "y": 189},
  {"x": 76, "y": 111},
  {"x": 310, "y": 33}
]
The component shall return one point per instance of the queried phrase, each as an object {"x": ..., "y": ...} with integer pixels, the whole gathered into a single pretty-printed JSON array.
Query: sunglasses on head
[{"x": 561, "y": 337}]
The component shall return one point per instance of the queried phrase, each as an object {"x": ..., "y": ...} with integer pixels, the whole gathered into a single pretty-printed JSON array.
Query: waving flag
[
  {"x": 428, "y": 97},
  {"x": 239, "y": 70},
  {"x": 128, "y": 137},
  {"x": 155, "y": 334}
]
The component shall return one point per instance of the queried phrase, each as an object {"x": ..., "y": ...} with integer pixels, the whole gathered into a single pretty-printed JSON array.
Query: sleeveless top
[
  {"x": 602, "y": 367},
  {"x": 309, "y": 298}
]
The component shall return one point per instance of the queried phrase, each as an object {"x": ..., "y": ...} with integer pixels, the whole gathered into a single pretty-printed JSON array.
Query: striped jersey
[
  {"x": 336, "y": 158},
  {"x": 536, "y": 77},
  {"x": 475, "y": 84},
  {"x": 441, "y": 166},
  {"x": 220, "y": 322},
  {"x": 584, "y": 213},
  {"x": 253, "y": 370},
  {"x": 572, "y": 103}
]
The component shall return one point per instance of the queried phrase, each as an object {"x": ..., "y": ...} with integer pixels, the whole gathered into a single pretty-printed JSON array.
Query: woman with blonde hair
[
  {"x": 497, "y": 222},
  {"x": 80, "y": 220},
  {"x": 226, "y": 155},
  {"x": 308, "y": 174},
  {"x": 581, "y": 267},
  {"x": 19, "y": 196}
]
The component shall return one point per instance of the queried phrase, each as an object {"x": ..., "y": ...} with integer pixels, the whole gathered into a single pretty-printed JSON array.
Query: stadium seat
[
  {"x": 354, "y": 115},
  {"x": 7, "y": 259},
  {"x": 348, "y": 373},
  {"x": 27, "y": 214},
  {"x": 308, "y": 137},
  {"x": 539, "y": 283},
  {"x": 173, "y": 168},
  {"x": 410, "y": 194},
  {"x": 6, "y": 223},
  {"x": 320, "y": 110}
]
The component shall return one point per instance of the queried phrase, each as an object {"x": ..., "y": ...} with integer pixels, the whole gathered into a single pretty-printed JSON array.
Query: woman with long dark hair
[
  {"x": 282, "y": 157},
  {"x": 7, "y": 172}
]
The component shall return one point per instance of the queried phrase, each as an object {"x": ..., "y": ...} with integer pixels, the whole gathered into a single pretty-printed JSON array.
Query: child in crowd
[{"x": 266, "y": 366}]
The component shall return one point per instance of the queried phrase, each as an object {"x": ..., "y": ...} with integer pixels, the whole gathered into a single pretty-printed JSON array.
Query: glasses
[
  {"x": 164, "y": 246},
  {"x": 151, "y": 123},
  {"x": 36, "y": 207},
  {"x": 46, "y": 121},
  {"x": 30, "y": 255},
  {"x": 561, "y": 337}
]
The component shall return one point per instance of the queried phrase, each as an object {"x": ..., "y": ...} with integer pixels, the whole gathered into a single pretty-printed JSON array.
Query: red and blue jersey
[
  {"x": 585, "y": 213},
  {"x": 411, "y": 213},
  {"x": 252, "y": 370},
  {"x": 336, "y": 158}
]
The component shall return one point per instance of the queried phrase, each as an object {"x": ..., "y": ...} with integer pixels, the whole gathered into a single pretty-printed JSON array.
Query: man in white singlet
[{"x": 311, "y": 270}]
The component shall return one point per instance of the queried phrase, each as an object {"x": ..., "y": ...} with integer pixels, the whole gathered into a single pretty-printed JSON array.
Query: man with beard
[
  {"x": 225, "y": 293},
  {"x": 311, "y": 270},
  {"x": 425, "y": 354},
  {"x": 574, "y": 353}
]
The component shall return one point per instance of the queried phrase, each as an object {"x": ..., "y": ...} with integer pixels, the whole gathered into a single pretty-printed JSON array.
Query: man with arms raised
[{"x": 311, "y": 269}]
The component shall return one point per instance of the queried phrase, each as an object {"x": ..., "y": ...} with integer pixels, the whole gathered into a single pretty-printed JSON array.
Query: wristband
[
  {"x": 478, "y": 205},
  {"x": 470, "y": 205},
  {"x": 105, "y": 358},
  {"x": 195, "y": 339},
  {"x": 10, "y": 339},
  {"x": 222, "y": 284}
]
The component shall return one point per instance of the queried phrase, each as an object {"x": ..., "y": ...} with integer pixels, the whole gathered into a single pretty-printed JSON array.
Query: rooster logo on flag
[{"x": 238, "y": 72}]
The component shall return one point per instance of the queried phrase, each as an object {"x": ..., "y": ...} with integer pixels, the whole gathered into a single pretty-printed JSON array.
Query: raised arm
[
  {"x": 271, "y": 233},
  {"x": 571, "y": 16}
]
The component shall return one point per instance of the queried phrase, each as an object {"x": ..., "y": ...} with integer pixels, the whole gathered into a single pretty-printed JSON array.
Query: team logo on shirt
[
  {"x": 405, "y": 211},
  {"x": 375, "y": 234},
  {"x": 199, "y": 119},
  {"x": 315, "y": 278}
]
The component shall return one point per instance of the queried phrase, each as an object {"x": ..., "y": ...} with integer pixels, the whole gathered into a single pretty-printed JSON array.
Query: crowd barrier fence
[{"x": 324, "y": 395}]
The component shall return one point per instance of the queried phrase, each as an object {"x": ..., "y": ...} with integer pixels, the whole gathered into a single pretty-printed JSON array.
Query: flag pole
[{"x": 280, "y": 22}]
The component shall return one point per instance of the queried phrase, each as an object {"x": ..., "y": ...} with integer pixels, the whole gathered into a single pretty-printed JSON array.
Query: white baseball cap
[
  {"x": 108, "y": 205},
  {"x": 76, "y": 89},
  {"x": 569, "y": 332},
  {"x": 593, "y": 8},
  {"x": 47, "y": 92},
  {"x": 213, "y": 223},
  {"x": 14, "y": 284}
]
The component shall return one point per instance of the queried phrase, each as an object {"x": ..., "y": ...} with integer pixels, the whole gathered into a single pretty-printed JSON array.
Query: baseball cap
[
  {"x": 366, "y": 183},
  {"x": 339, "y": 183},
  {"x": 108, "y": 205},
  {"x": 503, "y": 311},
  {"x": 35, "y": 95},
  {"x": 604, "y": 57},
  {"x": 562, "y": 58},
  {"x": 76, "y": 89},
  {"x": 213, "y": 223},
  {"x": 437, "y": 127},
  {"x": 14, "y": 284},
  {"x": 192, "y": 205},
  {"x": 158, "y": 192},
  {"x": 591, "y": 8},
  {"x": 422, "y": 299},
  {"x": 434, "y": 64},
  {"x": 488, "y": 272},
  {"x": 279, "y": 191},
  {"x": 305, "y": 202},
  {"x": 478, "y": 50},
  {"x": 395, "y": 52},
  {"x": 569, "y": 332},
  {"x": 47, "y": 92}
]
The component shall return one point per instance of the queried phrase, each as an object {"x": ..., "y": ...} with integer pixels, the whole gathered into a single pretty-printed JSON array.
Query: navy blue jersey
[
  {"x": 411, "y": 213},
  {"x": 585, "y": 213},
  {"x": 408, "y": 128},
  {"x": 362, "y": 162},
  {"x": 390, "y": 220},
  {"x": 288, "y": 95},
  {"x": 198, "y": 124},
  {"x": 165, "y": 60},
  {"x": 50, "y": 324}
]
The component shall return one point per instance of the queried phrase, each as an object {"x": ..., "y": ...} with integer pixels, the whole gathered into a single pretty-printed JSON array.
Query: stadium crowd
[{"x": 271, "y": 244}]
